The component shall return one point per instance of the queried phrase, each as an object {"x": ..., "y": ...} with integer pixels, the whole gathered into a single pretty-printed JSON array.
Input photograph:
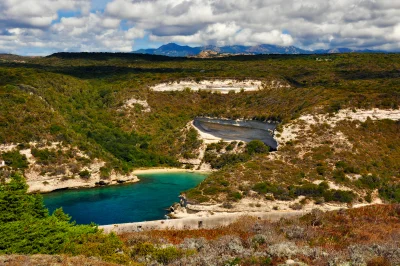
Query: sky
[{"x": 42, "y": 27}]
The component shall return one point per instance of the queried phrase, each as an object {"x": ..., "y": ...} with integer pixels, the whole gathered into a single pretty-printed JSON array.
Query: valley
[{"x": 313, "y": 139}]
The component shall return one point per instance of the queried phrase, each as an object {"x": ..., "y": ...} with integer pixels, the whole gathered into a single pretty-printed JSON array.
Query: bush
[
  {"x": 390, "y": 192},
  {"x": 279, "y": 192},
  {"x": 15, "y": 160},
  {"x": 44, "y": 156},
  {"x": 369, "y": 181},
  {"x": 105, "y": 172},
  {"x": 321, "y": 170},
  {"x": 339, "y": 175},
  {"x": 85, "y": 174},
  {"x": 161, "y": 255},
  {"x": 256, "y": 146},
  {"x": 217, "y": 162},
  {"x": 296, "y": 206},
  {"x": 227, "y": 205},
  {"x": 167, "y": 255},
  {"x": 235, "y": 196},
  {"x": 339, "y": 196}
]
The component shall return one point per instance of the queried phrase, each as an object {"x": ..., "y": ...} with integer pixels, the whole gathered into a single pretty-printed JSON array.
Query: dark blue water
[{"x": 142, "y": 201}]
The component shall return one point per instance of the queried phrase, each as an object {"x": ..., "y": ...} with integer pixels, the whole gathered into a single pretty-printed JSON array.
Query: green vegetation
[
  {"x": 368, "y": 161},
  {"x": 256, "y": 146},
  {"x": 310, "y": 190},
  {"x": 77, "y": 98},
  {"x": 161, "y": 255},
  {"x": 217, "y": 160},
  {"x": 27, "y": 228},
  {"x": 15, "y": 160}
]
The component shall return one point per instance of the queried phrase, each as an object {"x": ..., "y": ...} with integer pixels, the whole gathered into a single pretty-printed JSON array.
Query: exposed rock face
[
  {"x": 48, "y": 184},
  {"x": 222, "y": 86}
]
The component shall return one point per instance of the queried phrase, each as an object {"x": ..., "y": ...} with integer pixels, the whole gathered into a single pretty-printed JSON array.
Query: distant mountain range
[{"x": 173, "y": 49}]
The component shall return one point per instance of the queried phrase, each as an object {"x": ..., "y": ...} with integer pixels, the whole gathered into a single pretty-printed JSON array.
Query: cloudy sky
[{"x": 41, "y": 27}]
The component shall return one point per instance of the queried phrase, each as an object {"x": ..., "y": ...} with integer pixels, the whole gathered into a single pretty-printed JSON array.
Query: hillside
[
  {"x": 78, "y": 120},
  {"x": 173, "y": 49}
]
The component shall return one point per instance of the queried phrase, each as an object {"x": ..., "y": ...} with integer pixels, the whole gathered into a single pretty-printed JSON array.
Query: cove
[
  {"x": 244, "y": 130},
  {"x": 142, "y": 201}
]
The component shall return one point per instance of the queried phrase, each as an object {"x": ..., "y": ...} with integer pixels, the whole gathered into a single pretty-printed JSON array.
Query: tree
[{"x": 257, "y": 146}]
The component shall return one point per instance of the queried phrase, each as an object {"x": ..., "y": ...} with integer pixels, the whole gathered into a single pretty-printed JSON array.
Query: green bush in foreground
[{"x": 27, "y": 228}]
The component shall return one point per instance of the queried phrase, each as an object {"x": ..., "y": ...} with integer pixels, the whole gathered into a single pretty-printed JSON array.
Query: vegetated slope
[
  {"x": 82, "y": 99},
  {"x": 356, "y": 236},
  {"x": 364, "y": 236}
]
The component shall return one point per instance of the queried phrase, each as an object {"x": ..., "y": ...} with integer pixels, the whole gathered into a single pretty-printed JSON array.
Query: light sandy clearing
[
  {"x": 222, "y": 86},
  {"x": 352, "y": 115},
  {"x": 292, "y": 130},
  {"x": 130, "y": 104}
]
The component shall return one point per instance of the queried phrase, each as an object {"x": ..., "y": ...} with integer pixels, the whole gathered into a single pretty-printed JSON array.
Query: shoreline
[
  {"x": 55, "y": 184},
  {"x": 191, "y": 223},
  {"x": 212, "y": 220},
  {"x": 156, "y": 170}
]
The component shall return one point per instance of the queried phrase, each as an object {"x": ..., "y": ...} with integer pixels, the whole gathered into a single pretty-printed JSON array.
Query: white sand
[{"x": 165, "y": 170}]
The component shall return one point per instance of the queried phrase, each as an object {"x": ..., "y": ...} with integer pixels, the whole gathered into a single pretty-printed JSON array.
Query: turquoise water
[{"x": 142, "y": 201}]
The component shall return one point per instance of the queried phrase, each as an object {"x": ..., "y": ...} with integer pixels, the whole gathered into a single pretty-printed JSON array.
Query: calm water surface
[{"x": 142, "y": 201}]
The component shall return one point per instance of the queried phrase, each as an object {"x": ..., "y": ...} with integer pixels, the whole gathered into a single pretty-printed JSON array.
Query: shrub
[
  {"x": 235, "y": 196},
  {"x": 44, "y": 156},
  {"x": 369, "y": 181},
  {"x": 378, "y": 261},
  {"x": 227, "y": 205},
  {"x": 256, "y": 146},
  {"x": 321, "y": 169},
  {"x": 105, "y": 172},
  {"x": 167, "y": 255},
  {"x": 230, "y": 147},
  {"x": 390, "y": 192},
  {"x": 15, "y": 160},
  {"x": 85, "y": 174},
  {"x": 339, "y": 175},
  {"x": 340, "y": 196},
  {"x": 296, "y": 206}
]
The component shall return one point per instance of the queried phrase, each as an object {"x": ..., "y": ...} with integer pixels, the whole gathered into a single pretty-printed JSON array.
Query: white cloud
[
  {"x": 306, "y": 23},
  {"x": 37, "y": 13},
  {"x": 309, "y": 24}
]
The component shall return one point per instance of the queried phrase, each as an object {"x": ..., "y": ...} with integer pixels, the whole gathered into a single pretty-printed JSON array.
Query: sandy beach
[{"x": 166, "y": 170}]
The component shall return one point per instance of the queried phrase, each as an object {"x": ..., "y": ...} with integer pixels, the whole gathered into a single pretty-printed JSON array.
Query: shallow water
[{"x": 142, "y": 201}]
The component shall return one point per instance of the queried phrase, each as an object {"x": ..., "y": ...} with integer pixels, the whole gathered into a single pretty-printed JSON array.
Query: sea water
[{"x": 146, "y": 200}]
